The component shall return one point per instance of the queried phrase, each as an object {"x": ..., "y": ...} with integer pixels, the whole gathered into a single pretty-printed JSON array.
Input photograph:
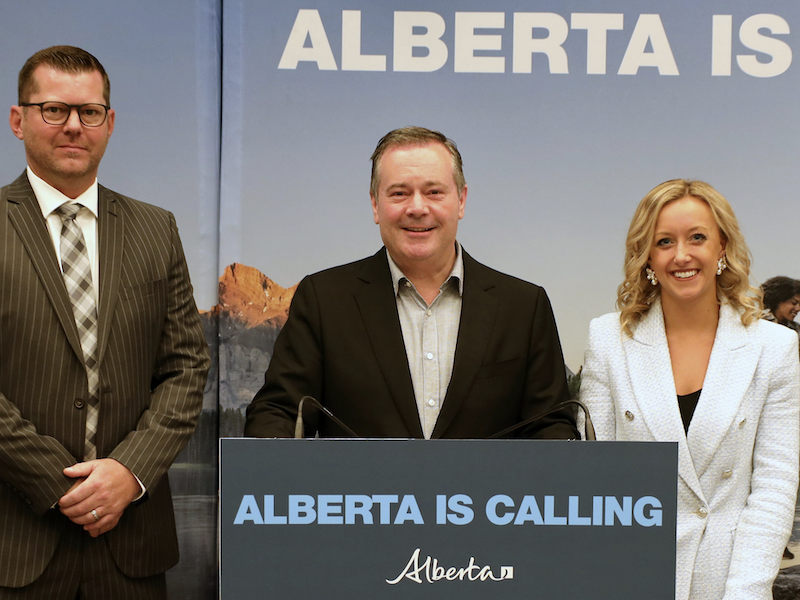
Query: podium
[{"x": 383, "y": 519}]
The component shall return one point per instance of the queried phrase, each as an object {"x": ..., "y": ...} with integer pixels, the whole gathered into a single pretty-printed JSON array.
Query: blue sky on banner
[
  {"x": 555, "y": 161},
  {"x": 559, "y": 145},
  {"x": 163, "y": 61}
]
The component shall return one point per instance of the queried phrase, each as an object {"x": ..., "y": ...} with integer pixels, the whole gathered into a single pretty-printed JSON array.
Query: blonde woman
[{"x": 687, "y": 359}]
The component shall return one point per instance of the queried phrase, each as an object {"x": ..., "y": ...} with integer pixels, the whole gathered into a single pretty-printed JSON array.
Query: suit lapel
[
  {"x": 731, "y": 368},
  {"x": 26, "y": 218},
  {"x": 653, "y": 384},
  {"x": 110, "y": 227},
  {"x": 478, "y": 313},
  {"x": 378, "y": 309}
]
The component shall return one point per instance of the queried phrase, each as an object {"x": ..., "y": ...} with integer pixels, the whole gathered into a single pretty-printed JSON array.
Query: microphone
[
  {"x": 590, "y": 434},
  {"x": 298, "y": 424}
]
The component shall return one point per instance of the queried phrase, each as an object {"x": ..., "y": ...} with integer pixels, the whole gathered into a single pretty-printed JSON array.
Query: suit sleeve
[
  {"x": 546, "y": 384},
  {"x": 296, "y": 369},
  {"x": 766, "y": 521},
  {"x": 31, "y": 463},
  {"x": 595, "y": 384},
  {"x": 178, "y": 380}
]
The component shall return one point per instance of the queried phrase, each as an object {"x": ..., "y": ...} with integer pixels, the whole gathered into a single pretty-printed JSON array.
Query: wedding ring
[{"x": 95, "y": 515}]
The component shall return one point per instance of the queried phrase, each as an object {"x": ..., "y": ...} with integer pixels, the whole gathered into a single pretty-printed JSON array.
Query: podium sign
[{"x": 322, "y": 518}]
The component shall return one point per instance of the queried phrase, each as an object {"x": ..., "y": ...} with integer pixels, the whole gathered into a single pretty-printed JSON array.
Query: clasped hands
[{"x": 102, "y": 491}]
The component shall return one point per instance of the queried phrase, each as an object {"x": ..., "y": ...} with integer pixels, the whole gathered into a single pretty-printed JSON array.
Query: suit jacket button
[
  {"x": 702, "y": 512},
  {"x": 79, "y": 403},
  {"x": 629, "y": 415},
  {"x": 727, "y": 473}
]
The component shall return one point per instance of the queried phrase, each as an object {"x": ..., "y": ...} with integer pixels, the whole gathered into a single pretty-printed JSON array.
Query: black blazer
[
  {"x": 343, "y": 345},
  {"x": 153, "y": 366}
]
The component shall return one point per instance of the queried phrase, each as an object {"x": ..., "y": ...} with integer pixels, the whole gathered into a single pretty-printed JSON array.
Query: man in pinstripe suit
[{"x": 86, "y": 510}]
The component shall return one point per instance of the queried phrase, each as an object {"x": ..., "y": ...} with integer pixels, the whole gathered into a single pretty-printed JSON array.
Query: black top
[{"x": 687, "y": 404}]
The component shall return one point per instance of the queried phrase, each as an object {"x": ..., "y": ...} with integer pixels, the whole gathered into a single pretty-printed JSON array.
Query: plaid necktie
[{"x": 78, "y": 280}]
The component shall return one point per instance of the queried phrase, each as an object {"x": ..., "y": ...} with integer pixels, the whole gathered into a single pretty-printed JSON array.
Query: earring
[
  {"x": 651, "y": 275},
  {"x": 722, "y": 264}
]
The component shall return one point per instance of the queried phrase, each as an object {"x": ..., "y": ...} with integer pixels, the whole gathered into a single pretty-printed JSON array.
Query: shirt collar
[
  {"x": 50, "y": 198},
  {"x": 457, "y": 272}
]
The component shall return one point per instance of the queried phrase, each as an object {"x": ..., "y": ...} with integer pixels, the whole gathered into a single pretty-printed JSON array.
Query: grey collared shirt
[{"x": 430, "y": 334}]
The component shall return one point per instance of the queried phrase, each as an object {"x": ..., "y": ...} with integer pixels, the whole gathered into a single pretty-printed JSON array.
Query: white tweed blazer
[{"x": 738, "y": 465}]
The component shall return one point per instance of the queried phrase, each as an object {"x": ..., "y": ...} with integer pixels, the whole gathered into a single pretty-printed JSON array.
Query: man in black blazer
[
  {"x": 419, "y": 340},
  {"x": 86, "y": 510}
]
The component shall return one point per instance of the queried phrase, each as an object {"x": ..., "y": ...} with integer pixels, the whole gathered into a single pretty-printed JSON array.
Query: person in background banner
[
  {"x": 782, "y": 301},
  {"x": 419, "y": 340},
  {"x": 781, "y": 305},
  {"x": 103, "y": 360},
  {"x": 688, "y": 360}
]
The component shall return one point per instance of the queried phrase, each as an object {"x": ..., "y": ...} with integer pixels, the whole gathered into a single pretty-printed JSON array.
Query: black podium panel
[{"x": 386, "y": 519}]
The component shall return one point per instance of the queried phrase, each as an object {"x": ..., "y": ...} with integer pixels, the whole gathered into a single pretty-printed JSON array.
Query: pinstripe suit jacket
[{"x": 153, "y": 367}]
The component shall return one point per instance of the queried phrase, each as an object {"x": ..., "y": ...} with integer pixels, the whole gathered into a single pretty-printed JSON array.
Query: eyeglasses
[{"x": 57, "y": 113}]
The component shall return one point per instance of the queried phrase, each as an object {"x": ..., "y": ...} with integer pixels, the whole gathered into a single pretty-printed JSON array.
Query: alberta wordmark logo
[{"x": 430, "y": 571}]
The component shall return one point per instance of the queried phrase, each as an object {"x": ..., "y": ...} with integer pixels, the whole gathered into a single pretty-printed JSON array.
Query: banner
[{"x": 447, "y": 519}]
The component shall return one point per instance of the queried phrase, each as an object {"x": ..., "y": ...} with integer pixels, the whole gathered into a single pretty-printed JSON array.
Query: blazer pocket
[
  {"x": 500, "y": 368},
  {"x": 143, "y": 290}
]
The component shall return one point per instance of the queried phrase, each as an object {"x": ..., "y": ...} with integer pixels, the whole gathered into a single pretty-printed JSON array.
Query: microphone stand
[
  {"x": 298, "y": 425},
  {"x": 590, "y": 434}
]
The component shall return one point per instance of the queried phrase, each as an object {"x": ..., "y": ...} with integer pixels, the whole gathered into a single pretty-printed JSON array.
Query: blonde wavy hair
[{"x": 636, "y": 294}]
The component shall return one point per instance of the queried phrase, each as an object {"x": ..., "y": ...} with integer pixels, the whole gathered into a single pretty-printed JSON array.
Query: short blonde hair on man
[{"x": 636, "y": 294}]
